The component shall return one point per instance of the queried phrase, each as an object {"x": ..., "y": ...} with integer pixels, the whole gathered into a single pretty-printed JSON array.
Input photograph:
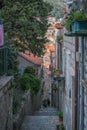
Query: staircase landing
[{"x": 44, "y": 119}]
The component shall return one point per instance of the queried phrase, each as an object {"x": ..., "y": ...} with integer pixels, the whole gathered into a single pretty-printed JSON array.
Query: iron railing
[{"x": 3, "y": 60}]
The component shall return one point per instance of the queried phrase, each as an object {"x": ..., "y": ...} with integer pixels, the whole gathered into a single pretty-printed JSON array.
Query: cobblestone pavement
[{"x": 44, "y": 119}]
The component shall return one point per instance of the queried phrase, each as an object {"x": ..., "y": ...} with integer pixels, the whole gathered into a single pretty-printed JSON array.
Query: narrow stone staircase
[{"x": 44, "y": 119}]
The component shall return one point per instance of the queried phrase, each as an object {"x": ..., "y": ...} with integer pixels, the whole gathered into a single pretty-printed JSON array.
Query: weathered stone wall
[
  {"x": 6, "y": 99},
  {"x": 82, "y": 85},
  {"x": 23, "y": 63},
  {"x": 69, "y": 72},
  {"x": 85, "y": 89},
  {"x": 30, "y": 103},
  {"x": 28, "y": 106},
  {"x": 82, "y": 4}
]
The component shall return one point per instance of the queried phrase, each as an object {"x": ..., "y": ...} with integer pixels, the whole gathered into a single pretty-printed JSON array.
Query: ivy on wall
[{"x": 29, "y": 80}]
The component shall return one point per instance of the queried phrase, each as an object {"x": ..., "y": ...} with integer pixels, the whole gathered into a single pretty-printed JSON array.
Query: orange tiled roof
[
  {"x": 46, "y": 64},
  {"x": 50, "y": 46},
  {"x": 29, "y": 56},
  {"x": 58, "y": 25}
]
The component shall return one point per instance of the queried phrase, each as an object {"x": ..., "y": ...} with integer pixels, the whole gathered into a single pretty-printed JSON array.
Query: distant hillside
[{"x": 58, "y": 5}]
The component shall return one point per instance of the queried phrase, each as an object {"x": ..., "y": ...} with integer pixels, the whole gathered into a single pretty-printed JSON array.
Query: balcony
[
  {"x": 59, "y": 78},
  {"x": 78, "y": 28}
]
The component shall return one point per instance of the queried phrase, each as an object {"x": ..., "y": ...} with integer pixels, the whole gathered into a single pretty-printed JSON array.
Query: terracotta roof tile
[
  {"x": 29, "y": 56},
  {"x": 50, "y": 46},
  {"x": 58, "y": 25}
]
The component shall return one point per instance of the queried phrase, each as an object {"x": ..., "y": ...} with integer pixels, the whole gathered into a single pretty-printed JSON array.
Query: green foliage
[
  {"x": 80, "y": 15},
  {"x": 59, "y": 38},
  {"x": 15, "y": 106},
  {"x": 12, "y": 57},
  {"x": 75, "y": 15},
  {"x": 30, "y": 70},
  {"x": 69, "y": 20},
  {"x": 34, "y": 81},
  {"x": 29, "y": 80},
  {"x": 25, "y": 82},
  {"x": 35, "y": 85},
  {"x": 25, "y": 22},
  {"x": 57, "y": 71},
  {"x": 57, "y": 8},
  {"x": 60, "y": 114},
  {"x": 17, "y": 98},
  {"x": 61, "y": 127}
]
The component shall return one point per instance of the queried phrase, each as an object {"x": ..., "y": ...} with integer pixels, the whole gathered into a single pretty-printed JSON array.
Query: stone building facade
[
  {"x": 75, "y": 71},
  {"x": 82, "y": 86},
  {"x": 69, "y": 74},
  {"x": 85, "y": 86},
  {"x": 28, "y": 59}
]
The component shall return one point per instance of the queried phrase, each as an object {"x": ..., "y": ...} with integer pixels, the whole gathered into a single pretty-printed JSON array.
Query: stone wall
[
  {"x": 23, "y": 63},
  {"x": 29, "y": 103},
  {"x": 82, "y": 102},
  {"x": 6, "y": 103},
  {"x": 85, "y": 89},
  {"x": 69, "y": 72},
  {"x": 28, "y": 106},
  {"x": 82, "y": 4}
]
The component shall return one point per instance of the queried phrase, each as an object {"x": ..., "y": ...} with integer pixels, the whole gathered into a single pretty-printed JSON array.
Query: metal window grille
[{"x": 3, "y": 60}]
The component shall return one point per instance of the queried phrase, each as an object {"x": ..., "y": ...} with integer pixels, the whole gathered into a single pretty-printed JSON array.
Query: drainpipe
[
  {"x": 76, "y": 83},
  {"x": 82, "y": 103}
]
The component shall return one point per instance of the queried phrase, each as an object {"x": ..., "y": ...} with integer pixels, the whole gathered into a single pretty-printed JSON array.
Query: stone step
[
  {"x": 40, "y": 123},
  {"x": 48, "y": 109},
  {"x": 47, "y": 112},
  {"x": 44, "y": 119}
]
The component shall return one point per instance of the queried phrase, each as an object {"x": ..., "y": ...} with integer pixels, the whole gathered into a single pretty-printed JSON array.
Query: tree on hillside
[
  {"x": 25, "y": 23},
  {"x": 57, "y": 5}
]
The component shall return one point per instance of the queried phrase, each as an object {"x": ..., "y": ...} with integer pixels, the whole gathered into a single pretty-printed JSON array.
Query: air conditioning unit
[{"x": 69, "y": 1}]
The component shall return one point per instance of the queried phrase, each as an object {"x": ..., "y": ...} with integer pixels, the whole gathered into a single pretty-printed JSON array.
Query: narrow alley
[
  {"x": 43, "y": 64},
  {"x": 44, "y": 119}
]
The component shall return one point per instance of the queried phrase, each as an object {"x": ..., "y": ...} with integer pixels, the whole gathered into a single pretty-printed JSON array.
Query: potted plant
[
  {"x": 76, "y": 21},
  {"x": 57, "y": 72},
  {"x": 61, "y": 127},
  {"x": 59, "y": 38},
  {"x": 60, "y": 115},
  {"x": 68, "y": 21},
  {"x": 58, "y": 25}
]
